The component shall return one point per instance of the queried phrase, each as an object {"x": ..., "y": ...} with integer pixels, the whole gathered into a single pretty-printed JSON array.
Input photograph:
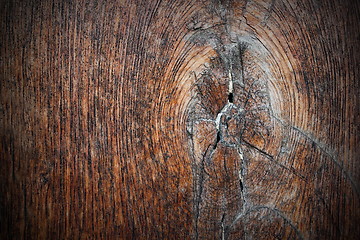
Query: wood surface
[{"x": 179, "y": 119}]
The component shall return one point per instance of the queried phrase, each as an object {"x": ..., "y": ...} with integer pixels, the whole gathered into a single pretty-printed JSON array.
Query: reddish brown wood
[{"x": 179, "y": 119}]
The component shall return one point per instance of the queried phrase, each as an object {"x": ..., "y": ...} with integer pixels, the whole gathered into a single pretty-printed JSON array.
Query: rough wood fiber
[{"x": 179, "y": 119}]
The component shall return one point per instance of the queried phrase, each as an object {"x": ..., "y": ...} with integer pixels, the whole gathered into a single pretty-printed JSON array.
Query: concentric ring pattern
[{"x": 209, "y": 119}]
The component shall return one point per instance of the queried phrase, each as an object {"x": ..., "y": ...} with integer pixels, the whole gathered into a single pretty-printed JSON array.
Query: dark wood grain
[{"x": 179, "y": 119}]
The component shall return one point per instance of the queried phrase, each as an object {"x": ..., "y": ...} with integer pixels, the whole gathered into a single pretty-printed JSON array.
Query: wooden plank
[{"x": 179, "y": 119}]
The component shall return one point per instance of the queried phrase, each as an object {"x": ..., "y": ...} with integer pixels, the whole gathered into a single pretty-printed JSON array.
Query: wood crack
[{"x": 221, "y": 127}]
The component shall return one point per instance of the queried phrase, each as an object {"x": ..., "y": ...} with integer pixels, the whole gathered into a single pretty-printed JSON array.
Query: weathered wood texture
[{"x": 179, "y": 119}]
